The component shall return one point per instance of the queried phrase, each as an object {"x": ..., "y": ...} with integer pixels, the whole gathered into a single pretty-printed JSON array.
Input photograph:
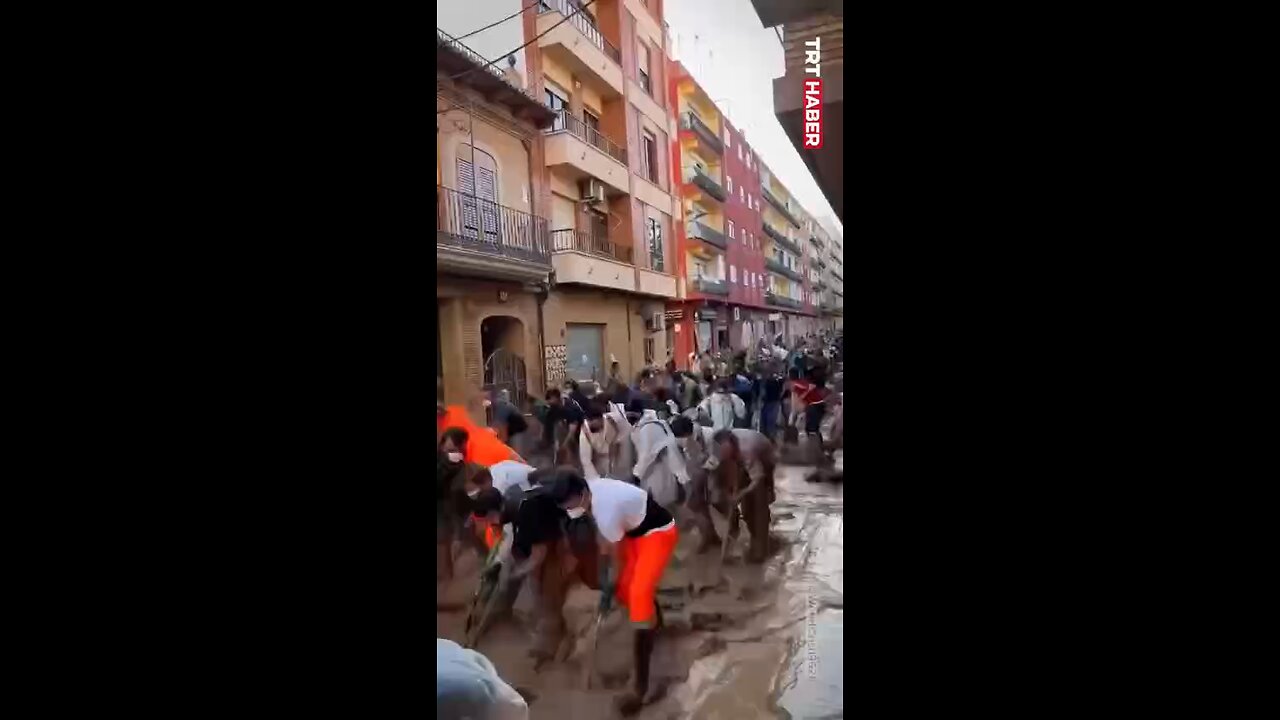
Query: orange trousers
[{"x": 643, "y": 560}]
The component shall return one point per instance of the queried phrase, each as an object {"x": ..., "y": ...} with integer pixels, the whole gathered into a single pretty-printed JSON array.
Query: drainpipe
[
  {"x": 542, "y": 342},
  {"x": 543, "y": 287}
]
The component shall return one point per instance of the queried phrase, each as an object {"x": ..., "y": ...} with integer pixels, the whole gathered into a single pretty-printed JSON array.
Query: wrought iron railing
[
  {"x": 584, "y": 23},
  {"x": 708, "y": 234},
  {"x": 708, "y": 286},
  {"x": 465, "y": 221},
  {"x": 566, "y": 122},
  {"x": 587, "y": 242},
  {"x": 690, "y": 121},
  {"x": 444, "y": 38}
]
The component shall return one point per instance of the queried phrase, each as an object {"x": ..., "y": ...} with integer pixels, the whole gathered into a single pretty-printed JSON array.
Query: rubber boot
[{"x": 630, "y": 704}]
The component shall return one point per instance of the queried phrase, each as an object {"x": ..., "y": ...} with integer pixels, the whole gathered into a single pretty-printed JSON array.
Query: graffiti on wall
[{"x": 555, "y": 357}]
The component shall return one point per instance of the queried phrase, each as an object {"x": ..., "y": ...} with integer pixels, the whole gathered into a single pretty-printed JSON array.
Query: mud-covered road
[{"x": 742, "y": 641}]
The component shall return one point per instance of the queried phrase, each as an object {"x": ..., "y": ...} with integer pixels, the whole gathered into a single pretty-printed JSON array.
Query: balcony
[
  {"x": 778, "y": 205},
  {"x": 585, "y": 242},
  {"x": 780, "y": 301},
  {"x": 708, "y": 286},
  {"x": 817, "y": 243},
  {"x": 773, "y": 265},
  {"x": 579, "y": 44},
  {"x": 708, "y": 235},
  {"x": 779, "y": 238},
  {"x": 482, "y": 238},
  {"x": 586, "y": 152},
  {"x": 708, "y": 185},
  {"x": 690, "y": 121}
]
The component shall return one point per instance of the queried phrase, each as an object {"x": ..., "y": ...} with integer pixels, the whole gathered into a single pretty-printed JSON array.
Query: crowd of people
[{"x": 616, "y": 471}]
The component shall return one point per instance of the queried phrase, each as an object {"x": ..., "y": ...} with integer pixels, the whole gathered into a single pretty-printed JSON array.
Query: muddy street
[{"x": 741, "y": 641}]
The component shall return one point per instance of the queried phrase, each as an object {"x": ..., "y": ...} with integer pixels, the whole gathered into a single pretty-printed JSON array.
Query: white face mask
[
  {"x": 575, "y": 513},
  {"x": 455, "y": 457},
  {"x": 473, "y": 493}
]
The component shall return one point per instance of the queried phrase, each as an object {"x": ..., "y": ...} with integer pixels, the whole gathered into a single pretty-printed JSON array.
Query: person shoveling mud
[
  {"x": 732, "y": 472},
  {"x": 637, "y": 538}
]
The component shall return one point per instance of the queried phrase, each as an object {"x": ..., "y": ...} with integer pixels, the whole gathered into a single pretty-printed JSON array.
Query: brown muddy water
[{"x": 742, "y": 641}]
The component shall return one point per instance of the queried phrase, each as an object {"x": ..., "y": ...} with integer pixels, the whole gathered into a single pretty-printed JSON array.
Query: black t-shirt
[
  {"x": 772, "y": 389},
  {"x": 655, "y": 516},
  {"x": 569, "y": 411},
  {"x": 538, "y": 520}
]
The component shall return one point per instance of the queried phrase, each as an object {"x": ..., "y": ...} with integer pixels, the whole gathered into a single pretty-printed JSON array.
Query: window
[
  {"x": 730, "y": 229},
  {"x": 699, "y": 269},
  {"x": 729, "y": 136},
  {"x": 642, "y": 63},
  {"x": 733, "y": 274},
  {"x": 592, "y": 120},
  {"x": 739, "y": 152},
  {"x": 655, "y": 244},
  {"x": 729, "y": 181},
  {"x": 557, "y": 103},
  {"x": 742, "y": 197},
  {"x": 650, "y": 157}
]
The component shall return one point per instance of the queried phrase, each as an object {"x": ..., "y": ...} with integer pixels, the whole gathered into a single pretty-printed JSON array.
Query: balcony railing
[
  {"x": 581, "y": 20},
  {"x": 816, "y": 242},
  {"x": 708, "y": 286},
  {"x": 444, "y": 38},
  {"x": 708, "y": 235},
  {"x": 778, "y": 205},
  {"x": 586, "y": 242},
  {"x": 566, "y": 122},
  {"x": 775, "y": 266},
  {"x": 779, "y": 238},
  {"x": 690, "y": 121},
  {"x": 709, "y": 185},
  {"x": 780, "y": 301},
  {"x": 471, "y": 223}
]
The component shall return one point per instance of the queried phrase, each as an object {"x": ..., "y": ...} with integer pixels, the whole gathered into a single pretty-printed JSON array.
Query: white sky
[{"x": 735, "y": 59}]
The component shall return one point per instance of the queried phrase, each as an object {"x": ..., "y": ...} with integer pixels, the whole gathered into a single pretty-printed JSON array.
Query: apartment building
[
  {"x": 720, "y": 258},
  {"x": 492, "y": 239},
  {"x": 606, "y": 183},
  {"x": 835, "y": 276},
  {"x": 786, "y": 228}
]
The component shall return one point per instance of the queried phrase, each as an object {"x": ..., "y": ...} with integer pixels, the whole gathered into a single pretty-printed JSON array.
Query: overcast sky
[{"x": 735, "y": 59}]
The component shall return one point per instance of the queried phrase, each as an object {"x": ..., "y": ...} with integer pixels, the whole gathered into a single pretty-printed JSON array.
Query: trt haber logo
[{"x": 813, "y": 93}]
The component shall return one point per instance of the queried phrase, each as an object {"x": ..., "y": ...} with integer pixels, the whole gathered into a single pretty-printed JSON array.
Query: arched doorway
[{"x": 502, "y": 346}]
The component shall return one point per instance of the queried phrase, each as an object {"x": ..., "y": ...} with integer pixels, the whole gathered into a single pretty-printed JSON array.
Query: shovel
[{"x": 589, "y": 666}]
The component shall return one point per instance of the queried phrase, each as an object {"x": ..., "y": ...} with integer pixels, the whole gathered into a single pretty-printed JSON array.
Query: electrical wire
[
  {"x": 527, "y": 44},
  {"x": 521, "y": 11}
]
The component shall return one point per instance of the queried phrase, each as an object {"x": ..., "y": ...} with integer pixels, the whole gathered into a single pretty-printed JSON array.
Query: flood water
[{"x": 742, "y": 641}]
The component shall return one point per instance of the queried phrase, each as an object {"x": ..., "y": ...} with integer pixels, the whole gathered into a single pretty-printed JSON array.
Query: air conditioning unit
[{"x": 592, "y": 191}]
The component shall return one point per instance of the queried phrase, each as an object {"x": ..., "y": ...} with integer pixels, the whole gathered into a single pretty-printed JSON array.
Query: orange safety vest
[{"x": 483, "y": 446}]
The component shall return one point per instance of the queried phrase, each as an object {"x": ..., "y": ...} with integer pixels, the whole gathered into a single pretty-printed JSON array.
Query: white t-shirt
[
  {"x": 508, "y": 473},
  {"x": 616, "y": 507}
]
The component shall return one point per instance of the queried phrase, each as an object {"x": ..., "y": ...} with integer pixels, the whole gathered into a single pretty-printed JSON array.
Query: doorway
[{"x": 502, "y": 346}]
